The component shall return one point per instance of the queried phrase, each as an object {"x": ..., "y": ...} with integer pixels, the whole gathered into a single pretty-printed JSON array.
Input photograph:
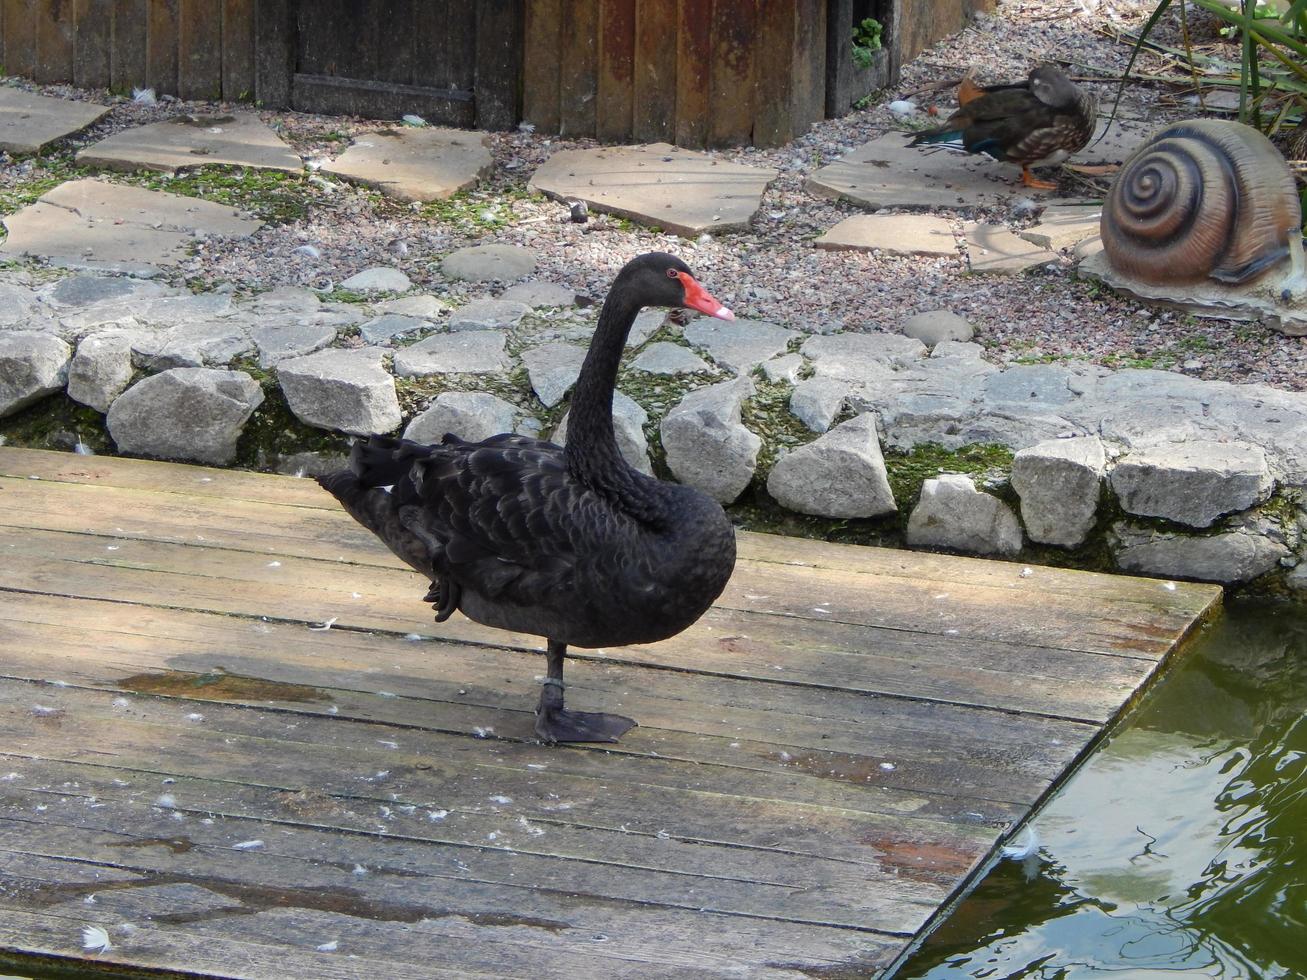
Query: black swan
[{"x": 570, "y": 544}]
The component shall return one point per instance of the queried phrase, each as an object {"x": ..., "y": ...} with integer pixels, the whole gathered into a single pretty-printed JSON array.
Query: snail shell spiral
[{"x": 1208, "y": 198}]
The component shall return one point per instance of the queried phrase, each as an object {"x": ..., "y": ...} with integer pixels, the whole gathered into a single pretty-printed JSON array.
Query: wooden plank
[
  {"x": 162, "y": 46},
  {"x": 127, "y": 58},
  {"x": 54, "y": 41},
  {"x": 578, "y": 77},
  {"x": 199, "y": 38},
  {"x": 92, "y": 42},
  {"x": 654, "y": 108},
  {"x": 20, "y": 17},
  {"x": 703, "y": 856},
  {"x": 541, "y": 63},
  {"x": 498, "y": 86},
  {"x": 238, "y": 47},
  {"x": 397, "y": 42},
  {"x": 715, "y": 721},
  {"x": 616, "y": 71},
  {"x": 380, "y": 100},
  {"x": 774, "y": 42},
  {"x": 694, "y": 53},
  {"x": 809, "y": 65},
  {"x": 1114, "y": 627},
  {"x": 394, "y": 896},
  {"x": 731, "y": 80},
  {"x": 1009, "y": 677},
  {"x": 274, "y": 52},
  {"x": 201, "y": 482}
]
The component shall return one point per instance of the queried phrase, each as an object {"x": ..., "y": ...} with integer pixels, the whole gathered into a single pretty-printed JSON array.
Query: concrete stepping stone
[
  {"x": 483, "y": 263},
  {"x": 378, "y": 279},
  {"x": 886, "y": 172},
  {"x": 893, "y": 234},
  {"x": 992, "y": 248},
  {"x": 241, "y": 139},
  {"x": 469, "y": 352},
  {"x": 538, "y": 293},
  {"x": 427, "y": 164},
  {"x": 488, "y": 314},
  {"x": 91, "y": 224},
  {"x": 682, "y": 191},
  {"x": 29, "y": 122},
  {"x": 390, "y": 325},
  {"x": 1063, "y": 226}
]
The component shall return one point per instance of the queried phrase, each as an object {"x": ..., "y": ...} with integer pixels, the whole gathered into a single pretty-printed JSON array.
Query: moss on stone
[
  {"x": 56, "y": 422},
  {"x": 273, "y": 431},
  {"x": 987, "y": 462},
  {"x": 275, "y": 197}
]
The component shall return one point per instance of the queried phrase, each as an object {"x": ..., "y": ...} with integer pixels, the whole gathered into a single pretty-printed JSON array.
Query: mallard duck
[
  {"x": 570, "y": 544},
  {"x": 1040, "y": 121}
]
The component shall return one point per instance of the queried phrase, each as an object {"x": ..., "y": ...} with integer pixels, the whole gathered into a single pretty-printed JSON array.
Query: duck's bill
[{"x": 698, "y": 298}]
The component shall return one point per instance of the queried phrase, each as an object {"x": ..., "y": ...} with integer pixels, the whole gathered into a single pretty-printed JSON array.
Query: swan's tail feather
[{"x": 382, "y": 461}]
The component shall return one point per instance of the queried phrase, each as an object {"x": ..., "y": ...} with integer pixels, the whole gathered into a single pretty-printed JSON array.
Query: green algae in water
[{"x": 1177, "y": 850}]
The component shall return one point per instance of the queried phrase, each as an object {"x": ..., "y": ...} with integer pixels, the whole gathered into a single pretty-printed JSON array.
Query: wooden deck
[{"x": 821, "y": 763}]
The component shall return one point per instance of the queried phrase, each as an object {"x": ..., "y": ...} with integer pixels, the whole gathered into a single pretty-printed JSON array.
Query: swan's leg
[{"x": 555, "y": 724}]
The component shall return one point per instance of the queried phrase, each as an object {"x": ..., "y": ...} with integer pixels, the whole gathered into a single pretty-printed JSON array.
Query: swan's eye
[{"x": 673, "y": 274}]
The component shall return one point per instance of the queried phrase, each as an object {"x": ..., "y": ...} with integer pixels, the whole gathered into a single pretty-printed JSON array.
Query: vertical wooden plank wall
[
  {"x": 92, "y": 42},
  {"x": 198, "y": 49},
  {"x": 498, "y": 57},
  {"x": 696, "y": 72}
]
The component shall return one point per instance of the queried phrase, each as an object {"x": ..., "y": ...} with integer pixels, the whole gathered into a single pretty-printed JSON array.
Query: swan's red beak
[{"x": 698, "y": 298}]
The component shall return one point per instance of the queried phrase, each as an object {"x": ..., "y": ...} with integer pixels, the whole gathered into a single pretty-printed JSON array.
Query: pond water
[{"x": 1180, "y": 848}]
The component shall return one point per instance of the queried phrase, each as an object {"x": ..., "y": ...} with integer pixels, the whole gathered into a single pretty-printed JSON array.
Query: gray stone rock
[
  {"x": 344, "y": 390},
  {"x": 390, "y": 325},
  {"x": 32, "y": 365},
  {"x": 740, "y": 345},
  {"x": 647, "y": 323},
  {"x": 953, "y": 348},
  {"x": 277, "y": 340},
  {"x": 665, "y": 358},
  {"x": 76, "y": 292},
  {"x": 167, "y": 311},
  {"x": 553, "y": 369},
  {"x": 101, "y": 369},
  {"x": 783, "y": 368},
  {"x": 817, "y": 401},
  {"x": 936, "y": 326},
  {"x": 194, "y": 414},
  {"x": 378, "y": 279},
  {"x": 628, "y": 426},
  {"x": 425, "y": 307},
  {"x": 1296, "y": 580},
  {"x": 861, "y": 356},
  {"x": 18, "y": 305},
  {"x": 283, "y": 299},
  {"x": 1193, "y": 482},
  {"x": 470, "y": 352},
  {"x": 488, "y": 314},
  {"x": 483, "y": 263},
  {"x": 840, "y": 474},
  {"x": 1228, "y": 557},
  {"x": 953, "y": 514},
  {"x": 196, "y": 344},
  {"x": 707, "y": 447},
  {"x": 1059, "y": 482},
  {"x": 470, "y": 415},
  {"x": 1031, "y": 384},
  {"x": 537, "y": 293}
]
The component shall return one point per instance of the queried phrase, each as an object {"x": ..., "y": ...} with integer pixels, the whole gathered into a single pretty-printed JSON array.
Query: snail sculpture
[{"x": 1206, "y": 214}]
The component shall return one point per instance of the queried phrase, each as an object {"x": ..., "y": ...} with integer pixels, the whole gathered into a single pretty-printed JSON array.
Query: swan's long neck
[{"x": 592, "y": 453}]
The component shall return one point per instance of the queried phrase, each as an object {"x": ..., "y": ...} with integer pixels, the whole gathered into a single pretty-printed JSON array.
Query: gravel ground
[{"x": 772, "y": 271}]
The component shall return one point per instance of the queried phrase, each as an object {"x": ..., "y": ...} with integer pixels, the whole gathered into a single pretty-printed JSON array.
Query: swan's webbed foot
[{"x": 554, "y": 723}]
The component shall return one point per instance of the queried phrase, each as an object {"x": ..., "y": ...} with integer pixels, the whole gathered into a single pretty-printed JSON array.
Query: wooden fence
[
  {"x": 195, "y": 49},
  {"x": 711, "y": 72}
]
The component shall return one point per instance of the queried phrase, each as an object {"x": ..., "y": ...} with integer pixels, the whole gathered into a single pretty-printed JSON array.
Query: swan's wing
[{"x": 503, "y": 517}]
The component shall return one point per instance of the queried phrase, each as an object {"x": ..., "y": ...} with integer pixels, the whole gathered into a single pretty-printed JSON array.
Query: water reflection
[{"x": 1180, "y": 848}]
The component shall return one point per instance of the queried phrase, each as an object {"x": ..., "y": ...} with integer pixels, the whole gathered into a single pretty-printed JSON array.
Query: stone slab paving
[
  {"x": 993, "y": 248},
  {"x": 886, "y": 172},
  {"x": 92, "y": 224},
  {"x": 682, "y": 191},
  {"x": 1063, "y": 226},
  {"x": 29, "y": 122},
  {"x": 415, "y": 164},
  {"x": 893, "y": 234},
  {"x": 240, "y": 139}
]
